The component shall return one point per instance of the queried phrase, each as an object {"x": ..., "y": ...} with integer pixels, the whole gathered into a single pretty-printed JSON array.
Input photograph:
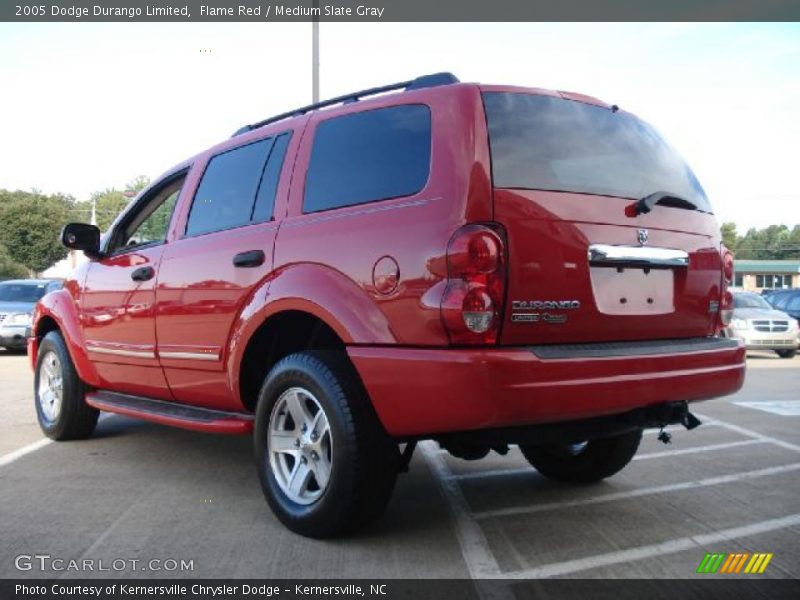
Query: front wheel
[
  {"x": 325, "y": 463},
  {"x": 786, "y": 353},
  {"x": 59, "y": 393},
  {"x": 585, "y": 462}
]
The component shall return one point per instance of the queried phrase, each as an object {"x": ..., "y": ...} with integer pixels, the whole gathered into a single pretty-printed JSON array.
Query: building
[{"x": 756, "y": 275}]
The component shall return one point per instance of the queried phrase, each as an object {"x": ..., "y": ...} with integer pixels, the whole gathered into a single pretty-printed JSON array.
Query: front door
[{"x": 118, "y": 303}]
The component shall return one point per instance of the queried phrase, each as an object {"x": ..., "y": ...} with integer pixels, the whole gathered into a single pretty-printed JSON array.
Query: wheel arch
[{"x": 57, "y": 312}]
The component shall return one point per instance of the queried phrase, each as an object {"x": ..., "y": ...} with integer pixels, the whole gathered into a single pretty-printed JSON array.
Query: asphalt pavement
[{"x": 140, "y": 499}]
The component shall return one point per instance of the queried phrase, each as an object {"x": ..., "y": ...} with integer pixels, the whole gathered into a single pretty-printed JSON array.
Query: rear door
[{"x": 583, "y": 266}]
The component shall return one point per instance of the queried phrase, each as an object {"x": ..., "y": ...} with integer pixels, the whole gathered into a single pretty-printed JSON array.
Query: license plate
[{"x": 631, "y": 291}]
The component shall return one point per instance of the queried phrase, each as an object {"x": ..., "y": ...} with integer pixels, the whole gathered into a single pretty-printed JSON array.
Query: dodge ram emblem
[{"x": 642, "y": 236}]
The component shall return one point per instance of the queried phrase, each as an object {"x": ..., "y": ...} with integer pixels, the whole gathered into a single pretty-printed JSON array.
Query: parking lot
[{"x": 141, "y": 491}]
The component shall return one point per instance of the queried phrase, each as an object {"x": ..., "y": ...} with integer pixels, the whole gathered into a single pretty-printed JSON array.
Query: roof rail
[{"x": 424, "y": 81}]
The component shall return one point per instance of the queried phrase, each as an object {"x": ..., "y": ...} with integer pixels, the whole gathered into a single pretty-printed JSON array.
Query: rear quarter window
[{"x": 369, "y": 156}]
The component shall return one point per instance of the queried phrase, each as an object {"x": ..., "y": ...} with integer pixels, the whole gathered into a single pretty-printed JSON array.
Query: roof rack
[{"x": 424, "y": 81}]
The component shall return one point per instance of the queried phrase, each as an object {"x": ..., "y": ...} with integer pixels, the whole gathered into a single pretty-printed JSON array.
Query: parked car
[
  {"x": 786, "y": 300},
  {"x": 17, "y": 299},
  {"x": 478, "y": 265},
  {"x": 762, "y": 327}
]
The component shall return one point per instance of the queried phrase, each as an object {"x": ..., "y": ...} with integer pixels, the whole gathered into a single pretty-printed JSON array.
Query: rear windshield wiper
[{"x": 646, "y": 204}]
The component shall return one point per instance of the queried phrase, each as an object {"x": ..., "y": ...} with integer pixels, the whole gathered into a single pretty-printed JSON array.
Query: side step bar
[{"x": 171, "y": 413}]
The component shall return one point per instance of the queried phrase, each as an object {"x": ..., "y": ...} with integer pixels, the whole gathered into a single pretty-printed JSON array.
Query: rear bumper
[{"x": 417, "y": 391}]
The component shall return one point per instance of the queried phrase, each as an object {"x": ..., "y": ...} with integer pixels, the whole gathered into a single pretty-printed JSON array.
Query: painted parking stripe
[
  {"x": 754, "y": 434},
  {"x": 635, "y": 493},
  {"x": 665, "y": 454},
  {"x": 9, "y": 458},
  {"x": 474, "y": 547},
  {"x": 653, "y": 550},
  {"x": 784, "y": 408}
]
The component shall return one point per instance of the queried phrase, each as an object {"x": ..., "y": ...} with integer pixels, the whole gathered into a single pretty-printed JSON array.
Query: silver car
[
  {"x": 761, "y": 326},
  {"x": 17, "y": 299}
]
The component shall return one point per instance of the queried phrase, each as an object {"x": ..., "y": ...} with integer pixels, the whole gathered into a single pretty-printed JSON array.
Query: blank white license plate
[{"x": 633, "y": 291}]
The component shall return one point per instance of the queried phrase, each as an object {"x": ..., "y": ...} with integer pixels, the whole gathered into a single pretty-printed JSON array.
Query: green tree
[
  {"x": 30, "y": 224},
  {"x": 138, "y": 184},
  {"x": 8, "y": 268},
  {"x": 729, "y": 236}
]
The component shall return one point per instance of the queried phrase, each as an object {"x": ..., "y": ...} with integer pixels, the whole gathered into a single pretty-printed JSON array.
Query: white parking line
[
  {"x": 635, "y": 493},
  {"x": 7, "y": 459},
  {"x": 669, "y": 547},
  {"x": 698, "y": 449},
  {"x": 474, "y": 547},
  {"x": 666, "y": 453},
  {"x": 754, "y": 434}
]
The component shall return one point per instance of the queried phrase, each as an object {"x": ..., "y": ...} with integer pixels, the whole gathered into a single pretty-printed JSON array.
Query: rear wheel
[
  {"x": 786, "y": 353},
  {"x": 325, "y": 463},
  {"x": 585, "y": 462},
  {"x": 59, "y": 393}
]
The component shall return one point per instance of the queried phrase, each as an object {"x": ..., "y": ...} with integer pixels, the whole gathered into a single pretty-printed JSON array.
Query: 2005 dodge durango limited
[{"x": 478, "y": 265}]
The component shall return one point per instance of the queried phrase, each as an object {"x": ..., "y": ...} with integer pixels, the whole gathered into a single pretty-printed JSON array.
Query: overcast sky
[{"x": 87, "y": 106}]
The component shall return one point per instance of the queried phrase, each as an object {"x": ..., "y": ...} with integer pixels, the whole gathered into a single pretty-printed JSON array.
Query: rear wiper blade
[{"x": 646, "y": 204}]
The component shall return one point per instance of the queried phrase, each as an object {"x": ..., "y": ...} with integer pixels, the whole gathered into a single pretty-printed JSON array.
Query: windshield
[
  {"x": 749, "y": 301},
  {"x": 22, "y": 292},
  {"x": 546, "y": 143}
]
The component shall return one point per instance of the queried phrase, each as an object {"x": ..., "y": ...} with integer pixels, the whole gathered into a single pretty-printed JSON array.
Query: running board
[{"x": 171, "y": 413}]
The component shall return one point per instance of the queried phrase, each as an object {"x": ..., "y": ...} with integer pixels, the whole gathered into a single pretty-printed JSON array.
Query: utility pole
[{"x": 315, "y": 54}]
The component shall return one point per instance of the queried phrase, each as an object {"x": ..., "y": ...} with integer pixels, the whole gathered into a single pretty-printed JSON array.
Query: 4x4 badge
[{"x": 642, "y": 236}]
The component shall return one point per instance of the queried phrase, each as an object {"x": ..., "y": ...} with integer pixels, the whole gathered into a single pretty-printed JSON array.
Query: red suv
[{"x": 478, "y": 265}]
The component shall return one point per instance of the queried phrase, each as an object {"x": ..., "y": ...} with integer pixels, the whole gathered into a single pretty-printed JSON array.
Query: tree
[
  {"x": 729, "y": 236},
  {"x": 138, "y": 184},
  {"x": 30, "y": 224},
  {"x": 8, "y": 268}
]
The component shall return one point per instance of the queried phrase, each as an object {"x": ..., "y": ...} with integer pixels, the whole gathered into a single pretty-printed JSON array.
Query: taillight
[
  {"x": 726, "y": 297},
  {"x": 472, "y": 304}
]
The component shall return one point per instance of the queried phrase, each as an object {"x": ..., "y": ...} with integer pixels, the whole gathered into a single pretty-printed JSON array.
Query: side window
[
  {"x": 148, "y": 224},
  {"x": 225, "y": 196},
  {"x": 368, "y": 156},
  {"x": 265, "y": 199}
]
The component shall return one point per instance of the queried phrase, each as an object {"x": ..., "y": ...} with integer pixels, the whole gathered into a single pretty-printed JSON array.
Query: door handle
[
  {"x": 251, "y": 258},
  {"x": 143, "y": 274}
]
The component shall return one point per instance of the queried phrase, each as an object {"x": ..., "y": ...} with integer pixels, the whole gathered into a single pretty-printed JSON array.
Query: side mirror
[{"x": 81, "y": 236}]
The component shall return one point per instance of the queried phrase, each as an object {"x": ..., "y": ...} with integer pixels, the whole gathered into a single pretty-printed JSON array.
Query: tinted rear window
[
  {"x": 367, "y": 156},
  {"x": 547, "y": 143}
]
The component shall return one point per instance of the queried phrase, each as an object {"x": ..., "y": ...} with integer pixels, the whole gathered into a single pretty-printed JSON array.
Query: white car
[{"x": 761, "y": 326}]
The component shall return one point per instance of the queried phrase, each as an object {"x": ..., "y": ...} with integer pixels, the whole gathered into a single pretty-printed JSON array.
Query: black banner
[
  {"x": 434, "y": 589},
  {"x": 399, "y": 10}
]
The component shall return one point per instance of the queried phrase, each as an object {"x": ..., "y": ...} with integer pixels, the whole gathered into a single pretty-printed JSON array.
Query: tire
[
  {"x": 67, "y": 417},
  {"x": 362, "y": 460},
  {"x": 786, "y": 353},
  {"x": 589, "y": 462}
]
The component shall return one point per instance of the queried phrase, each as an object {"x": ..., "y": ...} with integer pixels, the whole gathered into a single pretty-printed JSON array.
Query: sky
[{"x": 89, "y": 106}]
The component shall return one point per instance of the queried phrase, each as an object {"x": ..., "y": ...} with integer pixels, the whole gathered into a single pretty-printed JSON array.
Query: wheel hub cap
[
  {"x": 51, "y": 386},
  {"x": 300, "y": 446}
]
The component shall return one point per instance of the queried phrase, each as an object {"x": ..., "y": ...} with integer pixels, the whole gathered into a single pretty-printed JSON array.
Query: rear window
[
  {"x": 368, "y": 156},
  {"x": 546, "y": 143}
]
